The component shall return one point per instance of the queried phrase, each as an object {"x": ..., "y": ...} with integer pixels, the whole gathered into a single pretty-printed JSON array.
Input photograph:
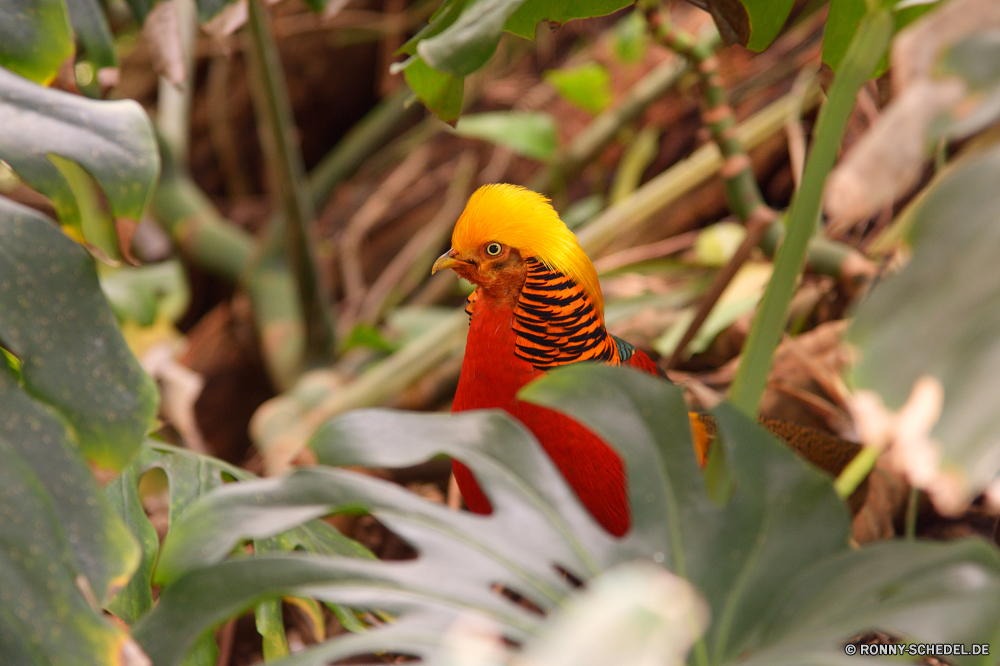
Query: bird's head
[{"x": 501, "y": 227}]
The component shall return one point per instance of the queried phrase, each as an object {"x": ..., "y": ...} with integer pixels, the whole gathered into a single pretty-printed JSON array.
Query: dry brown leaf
[{"x": 162, "y": 32}]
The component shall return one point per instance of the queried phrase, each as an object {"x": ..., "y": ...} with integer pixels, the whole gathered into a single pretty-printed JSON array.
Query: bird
[{"x": 537, "y": 305}]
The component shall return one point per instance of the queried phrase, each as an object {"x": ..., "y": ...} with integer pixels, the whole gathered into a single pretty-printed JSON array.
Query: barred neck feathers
[
  {"x": 525, "y": 220},
  {"x": 557, "y": 323}
]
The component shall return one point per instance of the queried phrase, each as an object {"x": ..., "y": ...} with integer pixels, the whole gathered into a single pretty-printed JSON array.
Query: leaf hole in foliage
[
  {"x": 516, "y": 598},
  {"x": 227, "y": 477},
  {"x": 379, "y": 539},
  {"x": 575, "y": 581},
  {"x": 428, "y": 479},
  {"x": 154, "y": 494}
]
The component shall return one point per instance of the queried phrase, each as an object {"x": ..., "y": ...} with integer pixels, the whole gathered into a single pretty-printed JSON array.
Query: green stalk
[
  {"x": 866, "y": 50},
  {"x": 856, "y": 471},
  {"x": 288, "y": 174}
]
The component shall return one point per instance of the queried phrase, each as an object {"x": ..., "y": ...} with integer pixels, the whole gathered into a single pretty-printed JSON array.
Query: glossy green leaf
[
  {"x": 112, "y": 141},
  {"x": 440, "y": 92},
  {"x": 35, "y": 38},
  {"x": 532, "y": 134},
  {"x": 55, "y": 320},
  {"x": 938, "y": 317},
  {"x": 587, "y": 85},
  {"x": 767, "y": 18},
  {"x": 841, "y": 24},
  {"x": 92, "y": 29},
  {"x": 531, "y": 12},
  {"x": 60, "y": 543},
  {"x": 466, "y": 44},
  {"x": 782, "y": 533}
]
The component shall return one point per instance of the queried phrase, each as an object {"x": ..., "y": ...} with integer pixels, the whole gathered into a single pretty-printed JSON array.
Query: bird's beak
[{"x": 446, "y": 260}]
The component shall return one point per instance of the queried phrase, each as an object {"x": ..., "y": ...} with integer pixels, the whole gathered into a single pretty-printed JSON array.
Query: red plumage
[{"x": 491, "y": 376}]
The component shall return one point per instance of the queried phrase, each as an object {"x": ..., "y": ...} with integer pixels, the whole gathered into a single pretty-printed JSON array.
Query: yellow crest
[{"x": 526, "y": 221}]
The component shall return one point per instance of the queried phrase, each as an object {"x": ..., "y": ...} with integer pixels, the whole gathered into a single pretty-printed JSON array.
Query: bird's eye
[{"x": 494, "y": 249}]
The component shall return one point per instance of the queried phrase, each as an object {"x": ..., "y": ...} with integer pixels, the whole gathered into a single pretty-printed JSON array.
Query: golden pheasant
[{"x": 537, "y": 305}]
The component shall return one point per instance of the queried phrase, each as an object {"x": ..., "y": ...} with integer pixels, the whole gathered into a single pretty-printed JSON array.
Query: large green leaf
[
  {"x": 781, "y": 534},
  {"x": 55, "y": 320},
  {"x": 35, "y": 38},
  {"x": 61, "y": 544},
  {"x": 940, "y": 317},
  {"x": 112, "y": 141}
]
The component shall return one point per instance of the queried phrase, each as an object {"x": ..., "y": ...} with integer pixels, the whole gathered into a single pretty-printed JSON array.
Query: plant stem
[
  {"x": 288, "y": 175},
  {"x": 742, "y": 190},
  {"x": 865, "y": 51},
  {"x": 856, "y": 471}
]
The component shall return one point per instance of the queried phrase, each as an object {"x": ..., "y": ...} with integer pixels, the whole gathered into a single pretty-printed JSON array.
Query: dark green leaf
[
  {"x": 783, "y": 515},
  {"x": 55, "y": 320},
  {"x": 532, "y": 134},
  {"x": 112, "y": 141},
  {"x": 468, "y": 42},
  {"x": 60, "y": 542},
  {"x": 91, "y": 26},
  {"x": 951, "y": 290},
  {"x": 782, "y": 534},
  {"x": 35, "y": 39}
]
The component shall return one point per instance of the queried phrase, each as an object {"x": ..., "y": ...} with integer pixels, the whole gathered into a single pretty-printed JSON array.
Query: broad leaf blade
[
  {"x": 54, "y": 318},
  {"x": 783, "y": 515},
  {"x": 112, "y": 141},
  {"x": 35, "y": 38},
  {"x": 940, "y": 316},
  {"x": 60, "y": 538}
]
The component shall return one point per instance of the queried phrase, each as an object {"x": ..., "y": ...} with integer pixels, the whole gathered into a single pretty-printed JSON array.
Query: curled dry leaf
[
  {"x": 890, "y": 157},
  {"x": 909, "y": 447},
  {"x": 162, "y": 32}
]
